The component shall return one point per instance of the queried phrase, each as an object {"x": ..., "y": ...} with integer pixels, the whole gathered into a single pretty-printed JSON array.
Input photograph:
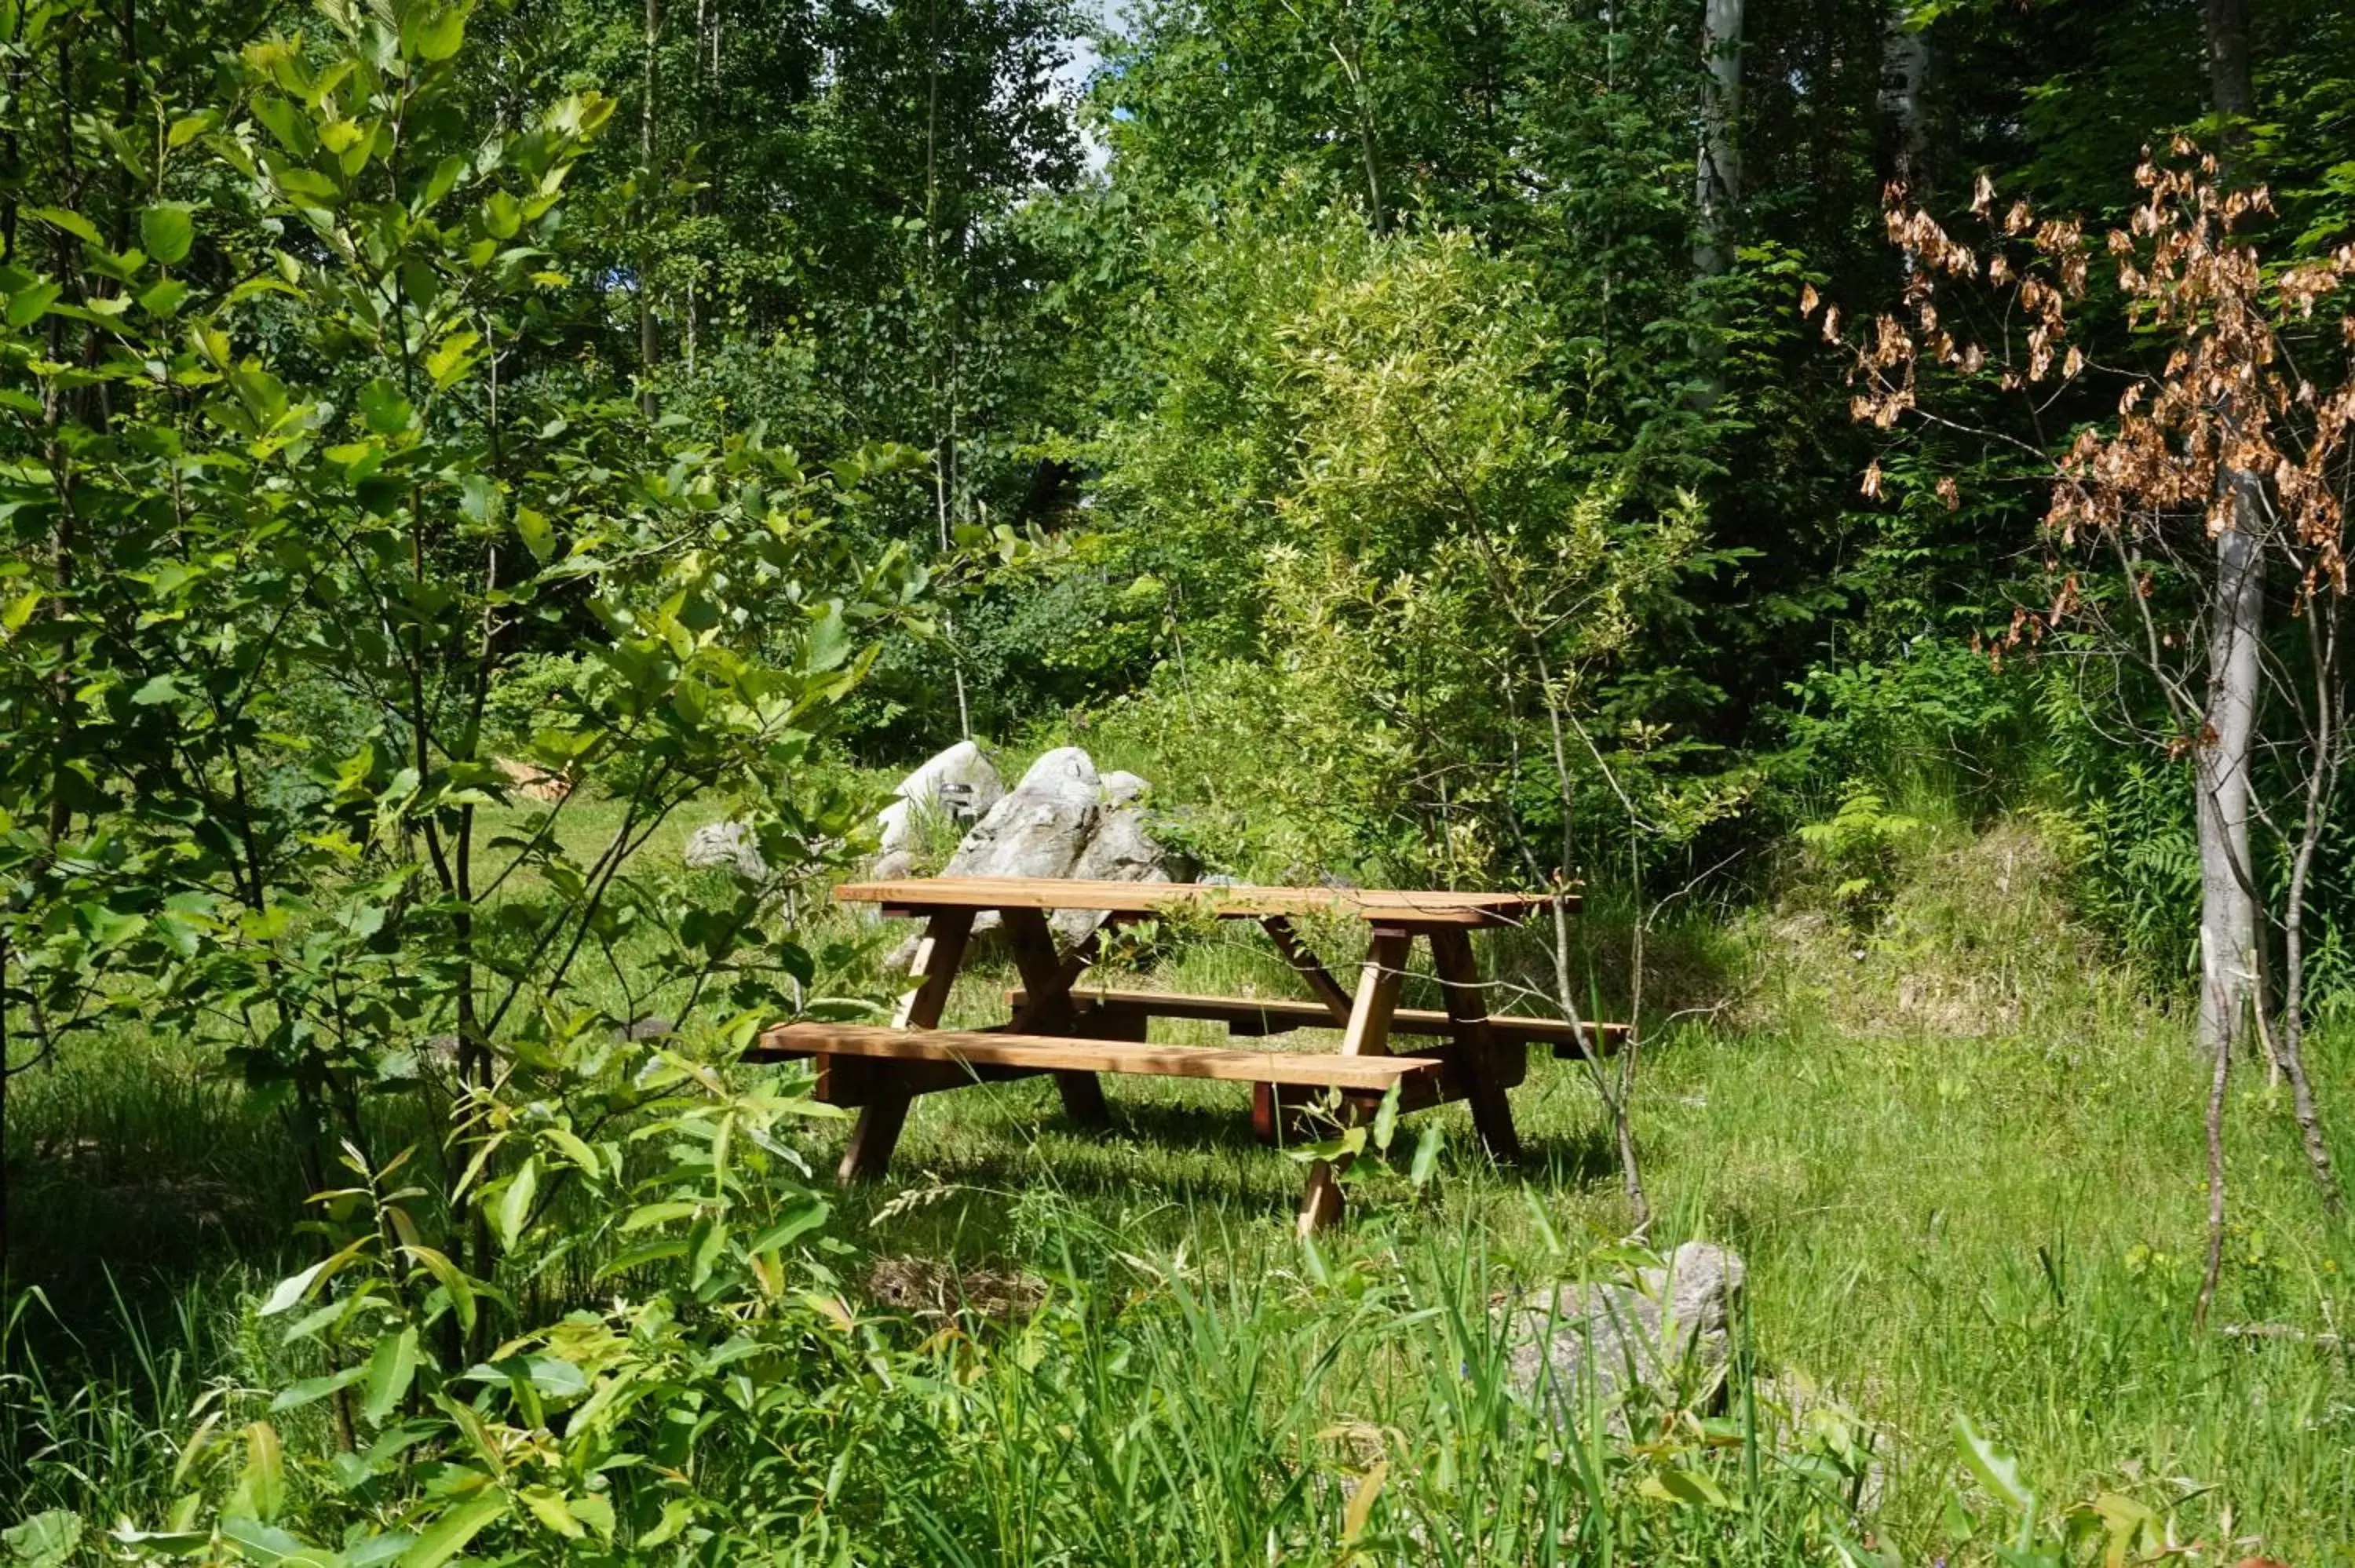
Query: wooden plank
[
  {"x": 1467, "y": 1005},
  {"x": 1253, "y": 1015},
  {"x": 938, "y": 955},
  {"x": 1378, "y": 905},
  {"x": 1368, "y": 1032},
  {"x": 877, "y": 1132},
  {"x": 852, "y": 1080},
  {"x": 1320, "y": 981},
  {"x": 1050, "y": 1009},
  {"x": 983, "y": 1048},
  {"x": 1365, "y": 1036}
]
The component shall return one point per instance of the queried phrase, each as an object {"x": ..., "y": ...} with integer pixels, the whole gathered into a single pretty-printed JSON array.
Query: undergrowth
[{"x": 1958, "y": 1150}]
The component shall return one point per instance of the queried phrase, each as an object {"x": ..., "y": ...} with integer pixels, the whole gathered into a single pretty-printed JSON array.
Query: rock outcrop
[
  {"x": 1061, "y": 819},
  {"x": 1659, "y": 1340},
  {"x": 726, "y": 846},
  {"x": 959, "y": 783}
]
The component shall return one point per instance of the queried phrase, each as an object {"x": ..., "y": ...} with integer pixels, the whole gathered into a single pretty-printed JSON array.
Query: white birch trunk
[
  {"x": 1904, "y": 76},
  {"x": 1717, "y": 173},
  {"x": 2228, "y": 908}
]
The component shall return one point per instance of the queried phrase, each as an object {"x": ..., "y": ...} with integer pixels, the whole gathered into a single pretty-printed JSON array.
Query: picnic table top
[{"x": 1223, "y": 900}]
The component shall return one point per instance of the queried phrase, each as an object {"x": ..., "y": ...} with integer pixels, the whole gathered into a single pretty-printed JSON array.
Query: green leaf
[
  {"x": 390, "y": 1372},
  {"x": 388, "y": 413},
  {"x": 162, "y": 297},
  {"x": 313, "y": 1389},
  {"x": 446, "y": 1274},
  {"x": 547, "y": 1506},
  {"x": 261, "y": 1486},
  {"x": 537, "y": 537},
  {"x": 73, "y": 223},
  {"x": 1350, "y": 1143},
  {"x": 478, "y": 499},
  {"x": 274, "y": 1548},
  {"x": 18, "y": 610},
  {"x": 44, "y": 1540},
  {"x": 185, "y": 131},
  {"x": 167, "y": 231},
  {"x": 29, "y": 304},
  {"x": 434, "y": 35},
  {"x": 797, "y": 1221},
  {"x": 1689, "y": 1487},
  {"x": 675, "y": 1514},
  {"x": 1426, "y": 1154},
  {"x": 829, "y": 639},
  {"x": 156, "y": 691},
  {"x": 294, "y": 1287},
  {"x": 105, "y": 929},
  {"x": 449, "y": 1538},
  {"x": 513, "y": 1208},
  {"x": 1998, "y": 1471}
]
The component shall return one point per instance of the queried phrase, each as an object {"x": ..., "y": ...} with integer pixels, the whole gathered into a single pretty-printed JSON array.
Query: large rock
[
  {"x": 1658, "y": 1341},
  {"x": 1121, "y": 849},
  {"x": 726, "y": 846},
  {"x": 959, "y": 783},
  {"x": 1061, "y": 819},
  {"x": 1041, "y": 826}
]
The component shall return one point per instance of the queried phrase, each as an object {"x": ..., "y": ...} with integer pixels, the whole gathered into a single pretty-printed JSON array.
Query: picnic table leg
[
  {"x": 1368, "y": 1034},
  {"x": 1048, "y": 1009},
  {"x": 1476, "y": 1046},
  {"x": 1268, "y": 1109},
  {"x": 938, "y": 954}
]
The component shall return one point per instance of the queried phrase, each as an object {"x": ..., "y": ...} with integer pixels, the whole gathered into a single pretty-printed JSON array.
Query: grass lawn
[{"x": 1961, "y": 1156}]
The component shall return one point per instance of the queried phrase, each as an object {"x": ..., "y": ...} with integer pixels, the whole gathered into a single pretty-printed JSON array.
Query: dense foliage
[{"x": 449, "y": 447}]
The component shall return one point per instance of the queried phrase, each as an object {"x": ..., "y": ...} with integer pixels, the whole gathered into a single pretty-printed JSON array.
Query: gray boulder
[
  {"x": 726, "y": 846},
  {"x": 1061, "y": 819},
  {"x": 1658, "y": 1341},
  {"x": 959, "y": 783},
  {"x": 1041, "y": 826},
  {"x": 1121, "y": 849}
]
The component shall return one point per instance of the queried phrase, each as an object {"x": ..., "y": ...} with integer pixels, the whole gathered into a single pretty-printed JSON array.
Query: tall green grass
[{"x": 1959, "y": 1151}]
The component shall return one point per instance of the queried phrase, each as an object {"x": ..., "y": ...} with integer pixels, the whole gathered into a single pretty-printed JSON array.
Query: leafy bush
[{"x": 1390, "y": 551}]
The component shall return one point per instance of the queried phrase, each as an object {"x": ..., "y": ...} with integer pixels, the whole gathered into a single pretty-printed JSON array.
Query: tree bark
[
  {"x": 2228, "y": 898},
  {"x": 2232, "y": 87},
  {"x": 1717, "y": 173},
  {"x": 649, "y": 75},
  {"x": 1904, "y": 78},
  {"x": 2228, "y": 904}
]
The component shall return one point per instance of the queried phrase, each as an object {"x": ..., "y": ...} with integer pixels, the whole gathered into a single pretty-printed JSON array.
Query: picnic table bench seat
[
  {"x": 1052, "y": 1053},
  {"x": 1253, "y": 1016}
]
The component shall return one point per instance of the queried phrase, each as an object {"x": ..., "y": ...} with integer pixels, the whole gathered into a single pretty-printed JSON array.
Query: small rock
[
  {"x": 1658, "y": 1342},
  {"x": 726, "y": 846}
]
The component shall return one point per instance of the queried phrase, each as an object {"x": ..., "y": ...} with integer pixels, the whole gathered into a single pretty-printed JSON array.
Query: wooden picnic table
[{"x": 1057, "y": 1027}]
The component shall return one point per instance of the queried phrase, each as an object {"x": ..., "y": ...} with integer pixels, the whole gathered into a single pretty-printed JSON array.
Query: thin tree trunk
[
  {"x": 2228, "y": 904},
  {"x": 648, "y": 82},
  {"x": 2228, "y": 900},
  {"x": 1717, "y": 178},
  {"x": 2323, "y": 619},
  {"x": 1905, "y": 77},
  {"x": 2215, "y": 1267},
  {"x": 1717, "y": 173}
]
